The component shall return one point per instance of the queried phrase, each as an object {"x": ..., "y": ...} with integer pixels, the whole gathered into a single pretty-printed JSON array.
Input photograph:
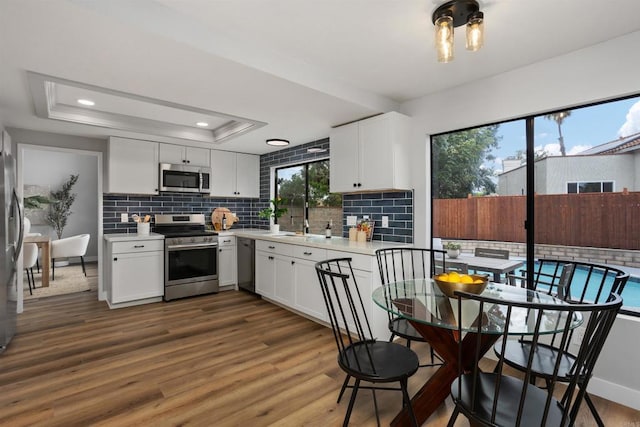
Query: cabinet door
[
  {"x": 284, "y": 280},
  {"x": 228, "y": 272},
  {"x": 265, "y": 274},
  {"x": 247, "y": 175},
  {"x": 137, "y": 276},
  {"x": 223, "y": 173},
  {"x": 132, "y": 166},
  {"x": 171, "y": 153},
  {"x": 344, "y": 159},
  {"x": 197, "y": 156},
  {"x": 308, "y": 293},
  {"x": 376, "y": 153}
]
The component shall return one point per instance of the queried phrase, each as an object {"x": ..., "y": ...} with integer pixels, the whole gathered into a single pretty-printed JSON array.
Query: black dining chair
[
  {"x": 360, "y": 355},
  {"x": 575, "y": 282},
  {"x": 396, "y": 264},
  {"x": 498, "y": 399}
]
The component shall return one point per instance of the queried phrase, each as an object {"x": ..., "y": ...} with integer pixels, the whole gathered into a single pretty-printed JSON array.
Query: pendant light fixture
[
  {"x": 453, "y": 14},
  {"x": 278, "y": 142}
]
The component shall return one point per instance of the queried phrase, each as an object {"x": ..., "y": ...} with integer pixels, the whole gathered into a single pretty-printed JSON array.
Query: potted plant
[
  {"x": 453, "y": 249},
  {"x": 60, "y": 205},
  {"x": 274, "y": 212}
]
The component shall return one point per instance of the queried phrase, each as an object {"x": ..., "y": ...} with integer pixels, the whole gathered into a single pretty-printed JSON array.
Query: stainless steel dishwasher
[{"x": 246, "y": 264}]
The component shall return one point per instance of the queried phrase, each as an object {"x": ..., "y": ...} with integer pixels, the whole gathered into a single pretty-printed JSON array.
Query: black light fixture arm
[{"x": 460, "y": 10}]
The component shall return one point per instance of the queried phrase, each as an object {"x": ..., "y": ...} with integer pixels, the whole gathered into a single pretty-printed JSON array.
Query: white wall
[{"x": 600, "y": 72}]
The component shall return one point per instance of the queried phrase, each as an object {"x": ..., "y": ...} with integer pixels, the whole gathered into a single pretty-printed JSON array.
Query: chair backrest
[
  {"x": 578, "y": 281},
  {"x": 344, "y": 304},
  {"x": 29, "y": 255},
  {"x": 491, "y": 253},
  {"x": 497, "y": 317},
  {"x": 70, "y": 246},
  {"x": 395, "y": 264},
  {"x": 26, "y": 225}
]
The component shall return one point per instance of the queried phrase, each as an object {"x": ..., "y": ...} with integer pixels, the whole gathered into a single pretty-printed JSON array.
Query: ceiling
[{"x": 294, "y": 68}]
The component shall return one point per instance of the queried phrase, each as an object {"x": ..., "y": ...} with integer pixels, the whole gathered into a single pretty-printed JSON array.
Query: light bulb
[
  {"x": 475, "y": 32},
  {"x": 444, "y": 38}
]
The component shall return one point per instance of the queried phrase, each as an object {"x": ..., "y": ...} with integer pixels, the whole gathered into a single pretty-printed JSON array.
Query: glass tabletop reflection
[{"x": 422, "y": 301}]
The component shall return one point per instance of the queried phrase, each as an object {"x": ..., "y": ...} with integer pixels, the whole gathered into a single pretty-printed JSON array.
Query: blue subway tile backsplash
[{"x": 397, "y": 205}]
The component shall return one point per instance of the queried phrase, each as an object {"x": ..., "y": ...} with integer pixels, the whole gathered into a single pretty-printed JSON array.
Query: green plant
[
  {"x": 60, "y": 205},
  {"x": 275, "y": 212},
  {"x": 452, "y": 246}
]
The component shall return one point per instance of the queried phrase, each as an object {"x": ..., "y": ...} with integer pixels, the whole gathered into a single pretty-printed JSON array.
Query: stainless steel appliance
[
  {"x": 190, "y": 256},
  {"x": 11, "y": 233},
  {"x": 185, "y": 178},
  {"x": 246, "y": 264}
]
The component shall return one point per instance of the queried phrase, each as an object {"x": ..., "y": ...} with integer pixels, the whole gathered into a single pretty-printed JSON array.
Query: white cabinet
[
  {"x": 179, "y": 154},
  {"x": 370, "y": 154},
  {"x": 265, "y": 274},
  {"x": 284, "y": 284},
  {"x": 227, "y": 261},
  {"x": 132, "y": 166},
  {"x": 134, "y": 270},
  {"x": 235, "y": 174}
]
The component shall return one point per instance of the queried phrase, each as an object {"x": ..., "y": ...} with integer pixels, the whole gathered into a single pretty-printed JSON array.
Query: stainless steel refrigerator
[{"x": 11, "y": 233}]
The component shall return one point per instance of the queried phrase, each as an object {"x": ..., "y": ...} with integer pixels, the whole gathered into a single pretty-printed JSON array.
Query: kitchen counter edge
[
  {"x": 125, "y": 237},
  {"x": 317, "y": 241}
]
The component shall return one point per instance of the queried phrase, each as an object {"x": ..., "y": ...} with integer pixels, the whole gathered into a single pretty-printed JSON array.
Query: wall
[
  {"x": 397, "y": 205},
  {"x": 580, "y": 77}
]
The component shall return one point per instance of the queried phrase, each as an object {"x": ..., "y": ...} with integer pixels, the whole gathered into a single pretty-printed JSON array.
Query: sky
[{"x": 584, "y": 128}]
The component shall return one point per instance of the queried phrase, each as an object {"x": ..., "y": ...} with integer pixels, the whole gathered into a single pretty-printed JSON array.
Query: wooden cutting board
[{"x": 216, "y": 218}]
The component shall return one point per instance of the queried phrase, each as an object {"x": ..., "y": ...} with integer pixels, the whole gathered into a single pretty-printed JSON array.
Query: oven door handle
[{"x": 192, "y": 246}]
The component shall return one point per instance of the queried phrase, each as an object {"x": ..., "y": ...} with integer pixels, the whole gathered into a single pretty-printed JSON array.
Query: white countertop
[
  {"x": 124, "y": 237},
  {"x": 316, "y": 241}
]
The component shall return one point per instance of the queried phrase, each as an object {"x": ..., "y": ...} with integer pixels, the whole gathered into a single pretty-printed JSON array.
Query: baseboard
[{"x": 615, "y": 392}]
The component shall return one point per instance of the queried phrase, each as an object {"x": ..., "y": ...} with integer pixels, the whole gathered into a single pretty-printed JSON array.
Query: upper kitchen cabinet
[
  {"x": 370, "y": 155},
  {"x": 132, "y": 166},
  {"x": 178, "y": 154},
  {"x": 235, "y": 174}
]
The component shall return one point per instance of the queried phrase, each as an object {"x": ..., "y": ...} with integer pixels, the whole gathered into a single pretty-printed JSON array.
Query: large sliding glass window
[
  {"x": 556, "y": 185},
  {"x": 304, "y": 190}
]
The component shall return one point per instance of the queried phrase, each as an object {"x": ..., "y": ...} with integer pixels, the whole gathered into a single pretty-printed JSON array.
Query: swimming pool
[{"x": 630, "y": 294}]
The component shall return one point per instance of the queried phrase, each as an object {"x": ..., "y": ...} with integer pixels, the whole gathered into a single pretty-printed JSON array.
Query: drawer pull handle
[
  {"x": 272, "y": 247},
  {"x": 271, "y": 257},
  {"x": 226, "y": 241},
  {"x": 308, "y": 253},
  {"x": 115, "y": 259},
  {"x": 139, "y": 246}
]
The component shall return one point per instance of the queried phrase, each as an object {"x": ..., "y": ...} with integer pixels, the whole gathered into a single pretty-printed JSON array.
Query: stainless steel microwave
[{"x": 185, "y": 178}]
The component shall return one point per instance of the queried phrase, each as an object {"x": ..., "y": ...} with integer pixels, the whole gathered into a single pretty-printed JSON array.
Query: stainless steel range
[{"x": 190, "y": 256}]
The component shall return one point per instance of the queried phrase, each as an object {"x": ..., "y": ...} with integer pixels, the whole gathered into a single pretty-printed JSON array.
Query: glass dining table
[{"x": 435, "y": 315}]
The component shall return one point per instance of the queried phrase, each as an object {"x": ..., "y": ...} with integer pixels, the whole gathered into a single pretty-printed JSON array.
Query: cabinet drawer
[
  {"x": 312, "y": 254},
  {"x": 137, "y": 246},
  {"x": 274, "y": 247},
  {"x": 226, "y": 241},
  {"x": 358, "y": 261}
]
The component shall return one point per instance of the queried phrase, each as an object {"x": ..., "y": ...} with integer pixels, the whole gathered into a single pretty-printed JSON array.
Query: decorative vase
[
  {"x": 275, "y": 228},
  {"x": 453, "y": 253}
]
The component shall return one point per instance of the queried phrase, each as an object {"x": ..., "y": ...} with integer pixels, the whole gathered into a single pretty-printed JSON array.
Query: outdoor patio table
[
  {"x": 434, "y": 316},
  {"x": 496, "y": 266}
]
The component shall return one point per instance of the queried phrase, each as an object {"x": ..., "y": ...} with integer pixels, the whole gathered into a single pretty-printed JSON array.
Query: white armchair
[{"x": 74, "y": 246}]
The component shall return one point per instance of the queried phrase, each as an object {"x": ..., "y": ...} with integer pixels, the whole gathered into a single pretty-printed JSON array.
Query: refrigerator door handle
[{"x": 18, "y": 246}]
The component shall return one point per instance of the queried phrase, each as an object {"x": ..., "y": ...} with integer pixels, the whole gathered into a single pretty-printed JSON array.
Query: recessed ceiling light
[
  {"x": 86, "y": 102},
  {"x": 316, "y": 150},
  {"x": 202, "y": 124},
  {"x": 277, "y": 142}
]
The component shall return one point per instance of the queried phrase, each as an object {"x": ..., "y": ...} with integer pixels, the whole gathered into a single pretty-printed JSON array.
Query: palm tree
[{"x": 559, "y": 118}]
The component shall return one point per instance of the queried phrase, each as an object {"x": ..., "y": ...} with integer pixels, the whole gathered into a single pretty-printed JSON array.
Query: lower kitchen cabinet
[
  {"x": 227, "y": 261},
  {"x": 265, "y": 274},
  {"x": 134, "y": 271}
]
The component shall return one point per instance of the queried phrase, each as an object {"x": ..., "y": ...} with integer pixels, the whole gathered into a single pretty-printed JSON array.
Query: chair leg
[
  {"x": 392, "y": 337},
  {"x": 454, "y": 417},
  {"x": 345, "y": 423},
  {"x": 29, "y": 281},
  {"x": 344, "y": 387},
  {"x": 38, "y": 265},
  {"x": 407, "y": 401},
  {"x": 83, "y": 270},
  {"x": 593, "y": 409},
  {"x": 375, "y": 406},
  {"x": 408, "y": 343},
  {"x": 53, "y": 269}
]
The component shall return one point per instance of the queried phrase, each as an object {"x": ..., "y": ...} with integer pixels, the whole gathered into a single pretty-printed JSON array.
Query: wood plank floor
[{"x": 229, "y": 359}]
